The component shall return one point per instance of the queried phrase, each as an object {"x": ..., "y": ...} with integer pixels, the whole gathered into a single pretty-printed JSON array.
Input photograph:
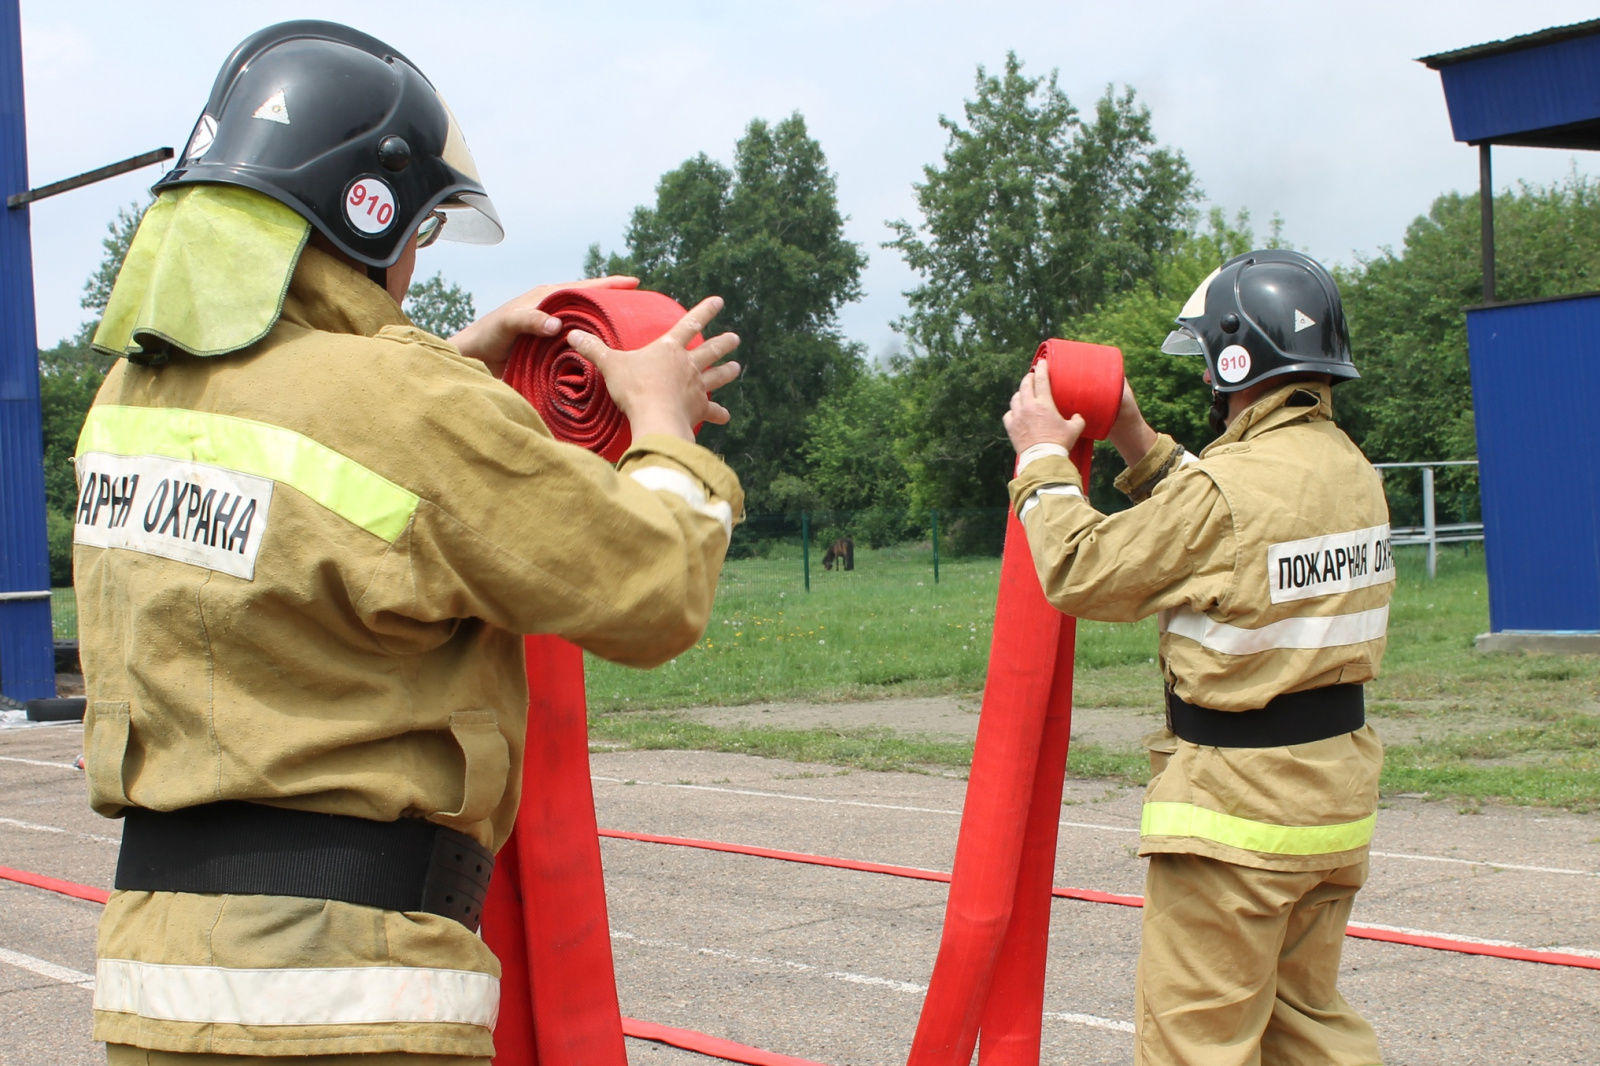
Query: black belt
[
  {"x": 247, "y": 849},
  {"x": 1293, "y": 718}
]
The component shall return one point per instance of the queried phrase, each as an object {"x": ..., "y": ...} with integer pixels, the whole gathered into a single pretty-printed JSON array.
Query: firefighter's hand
[
  {"x": 1130, "y": 433},
  {"x": 491, "y": 338},
  {"x": 1033, "y": 418},
  {"x": 664, "y": 387}
]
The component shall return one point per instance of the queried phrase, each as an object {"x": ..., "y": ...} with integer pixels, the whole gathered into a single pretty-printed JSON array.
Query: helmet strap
[
  {"x": 379, "y": 276},
  {"x": 1217, "y": 417}
]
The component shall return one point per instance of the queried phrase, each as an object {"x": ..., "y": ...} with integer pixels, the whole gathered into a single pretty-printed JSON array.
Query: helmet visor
[
  {"x": 470, "y": 218},
  {"x": 1182, "y": 341}
]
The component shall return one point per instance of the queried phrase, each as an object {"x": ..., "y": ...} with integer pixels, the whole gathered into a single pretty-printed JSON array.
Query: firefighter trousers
[{"x": 1238, "y": 967}]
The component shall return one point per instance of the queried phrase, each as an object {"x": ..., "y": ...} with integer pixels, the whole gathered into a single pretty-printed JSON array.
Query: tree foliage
[
  {"x": 441, "y": 307},
  {"x": 70, "y": 374},
  {"x": 1172, "y": 395},
  {"x": 1407, "y": 326},
  {"x": 1033, "y": 217},
  {"x": 765, "y": 235}
]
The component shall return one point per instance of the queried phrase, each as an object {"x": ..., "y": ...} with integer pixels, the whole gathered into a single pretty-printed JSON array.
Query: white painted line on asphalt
[
  {"x": 1073, "y": 825},
  {"x": 1484, "y": 862},
  {"x": 829, "y": 800},
  {"x": 1585, "y": 952},
  {"x": 37, "y": 762},
  {"x": 1091, "y": 1020},
  {"x": 16, "y": 823},
  {"x": 878, "y": 982},
  {"x": 76, "y": 978}
]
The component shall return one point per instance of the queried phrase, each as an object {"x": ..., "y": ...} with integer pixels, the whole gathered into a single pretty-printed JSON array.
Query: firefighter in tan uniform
[
  {"x": 1267, "y": 560},
  {"x": 308, "y": 537}
]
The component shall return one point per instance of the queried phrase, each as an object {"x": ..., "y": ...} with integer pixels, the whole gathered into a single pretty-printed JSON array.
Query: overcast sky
[{"x": 1315, "y": 111}]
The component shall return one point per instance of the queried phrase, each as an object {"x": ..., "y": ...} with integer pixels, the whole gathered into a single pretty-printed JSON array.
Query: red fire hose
[
  {"x": 563, "y": 386},
  {"x": 989, "y": 974},
  {"x": 545, "y": 917}
]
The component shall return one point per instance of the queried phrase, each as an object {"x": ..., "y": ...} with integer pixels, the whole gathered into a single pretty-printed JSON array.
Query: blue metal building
[
  {"x": 27, "y": 653},
  {"x": 1535, "y": 363}
]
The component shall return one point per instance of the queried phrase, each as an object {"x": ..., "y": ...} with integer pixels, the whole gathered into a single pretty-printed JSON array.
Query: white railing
[{"x": 1431, "y": 532}]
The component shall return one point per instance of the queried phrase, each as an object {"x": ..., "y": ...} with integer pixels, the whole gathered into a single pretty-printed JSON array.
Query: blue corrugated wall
[
  {"x": 1536, "y": 401},
  {"x": 1503, "y": 95},
  {"x": 27, "y": 659}
]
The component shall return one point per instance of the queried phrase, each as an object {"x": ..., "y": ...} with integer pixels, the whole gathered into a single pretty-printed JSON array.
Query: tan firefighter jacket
[
  {"x": 302, "y": 570},
  {"x": 1268, "y": 562}
]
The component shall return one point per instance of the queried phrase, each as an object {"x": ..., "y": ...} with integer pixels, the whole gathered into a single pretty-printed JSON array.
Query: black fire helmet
[
  {"x": 1262, "y": 315},
  {"x": 347, "y": 132}
]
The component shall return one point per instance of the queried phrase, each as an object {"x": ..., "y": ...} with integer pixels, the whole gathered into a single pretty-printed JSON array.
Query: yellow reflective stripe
[
  {"x": 342, "y": 485},
  {"x": 1187, "y": 820}
]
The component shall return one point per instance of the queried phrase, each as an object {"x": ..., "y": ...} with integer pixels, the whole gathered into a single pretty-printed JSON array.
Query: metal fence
[
  {"x": 1460, "y": 500},
  {"x": 820, "y": 541}
]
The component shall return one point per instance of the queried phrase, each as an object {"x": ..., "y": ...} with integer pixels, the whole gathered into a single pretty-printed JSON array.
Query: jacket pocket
[
  {"x": 106, "y": 747},
  {"x": 488, "y": 765}
]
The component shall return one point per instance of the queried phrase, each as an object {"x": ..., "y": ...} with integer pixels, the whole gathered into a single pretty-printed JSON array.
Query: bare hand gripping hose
[
  {"x": 989, "y": 974},
  {"x": 545, "y": 916},
  {"x": 563, "y": 386}
]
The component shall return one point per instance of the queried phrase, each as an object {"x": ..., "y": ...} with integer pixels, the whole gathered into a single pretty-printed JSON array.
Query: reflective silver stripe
[
  {"x": 14, "y": 597},
  {"x": 348, "y": 995},
  {"x": 666, "y": 479},
  {"x": 1332, "y": 631},
  {"x": 1047, "y": 490},
  {"x": 1039, "y": 451}
]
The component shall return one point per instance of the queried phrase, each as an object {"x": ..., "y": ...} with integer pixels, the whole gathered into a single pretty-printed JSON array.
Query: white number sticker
[
  {"x": 369, "y": 205},
  {"x": 1233, "y": 364}
]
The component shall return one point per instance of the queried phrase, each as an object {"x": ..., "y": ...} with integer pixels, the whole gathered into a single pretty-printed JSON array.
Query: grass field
[{"x": 1524, "y": 728}]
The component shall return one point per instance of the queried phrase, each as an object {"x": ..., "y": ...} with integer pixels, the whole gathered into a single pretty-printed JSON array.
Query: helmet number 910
[
  {"x": 1233, "y": 363},
  {"x": 369, "y": 206}
]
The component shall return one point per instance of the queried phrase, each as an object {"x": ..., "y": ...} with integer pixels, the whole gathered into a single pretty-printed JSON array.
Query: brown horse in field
[{"x": 841, "y": 551}]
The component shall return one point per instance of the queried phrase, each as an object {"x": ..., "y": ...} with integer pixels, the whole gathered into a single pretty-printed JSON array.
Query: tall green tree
[
  {"x": 1407, "y": 326},
  {"x": 1033, "y": 216},
  {"x": 70, "y": 374},
  {"x": 1172, "y": 395},
  {"x": 766, "y": 235},
  {"x": 441, "y": 307}
]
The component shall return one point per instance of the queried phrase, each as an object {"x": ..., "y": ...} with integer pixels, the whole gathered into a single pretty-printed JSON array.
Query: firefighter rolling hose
[
  {"x": 302, "y": 607},
  {"x": 1267, "y": 558}
]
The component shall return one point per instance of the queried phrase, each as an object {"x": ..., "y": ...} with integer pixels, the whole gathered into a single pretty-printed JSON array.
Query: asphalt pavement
[{"x": 831, "y": 965}]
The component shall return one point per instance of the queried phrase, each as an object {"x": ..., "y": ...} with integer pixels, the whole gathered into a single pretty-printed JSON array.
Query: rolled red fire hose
[
  {"x": 545, "y": 916},
  {"x": 563, "y": 386},
  {"x": 989, "y": 974}
]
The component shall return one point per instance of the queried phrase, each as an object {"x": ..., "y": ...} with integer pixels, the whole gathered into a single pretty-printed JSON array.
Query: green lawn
[
  {"x": 883, "y": 629},
  {"x": 1524, "y": 728}
]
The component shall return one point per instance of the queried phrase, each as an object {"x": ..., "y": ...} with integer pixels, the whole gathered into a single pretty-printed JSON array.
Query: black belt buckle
[
  {"x": 458, "y": 878},
  {"x": 237, "y": 848}
]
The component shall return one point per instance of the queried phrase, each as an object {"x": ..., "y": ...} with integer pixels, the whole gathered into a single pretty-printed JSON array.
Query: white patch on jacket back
[
  {"x": 1322, "y": 566},
  {"x": 193, "y": 513}
]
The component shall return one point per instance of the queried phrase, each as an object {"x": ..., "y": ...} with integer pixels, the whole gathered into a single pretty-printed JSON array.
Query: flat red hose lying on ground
[
  {"x": 1355, "y": 930},
  {"x": 563, "y": 386},
  {"x": 989, "y": 974},
  {"x": 545, "y": 917}
]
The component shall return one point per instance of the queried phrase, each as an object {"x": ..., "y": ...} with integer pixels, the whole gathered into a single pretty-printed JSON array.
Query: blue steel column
[{"x": 27, "y": 658}]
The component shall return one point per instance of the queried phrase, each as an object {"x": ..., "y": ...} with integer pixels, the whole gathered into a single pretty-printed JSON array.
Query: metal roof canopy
[
  {"x": 1535, "y": 371},
  {"x": 1539, "y": 90}
]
